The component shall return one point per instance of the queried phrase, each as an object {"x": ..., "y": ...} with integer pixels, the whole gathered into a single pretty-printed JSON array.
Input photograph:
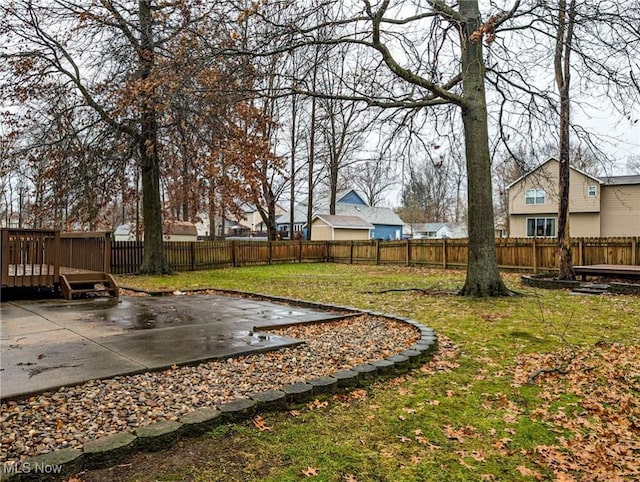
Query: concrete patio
[{"x": 47, "y": 344}]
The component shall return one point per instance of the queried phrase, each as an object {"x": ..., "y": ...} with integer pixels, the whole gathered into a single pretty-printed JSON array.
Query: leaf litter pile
[
  {"x": 591, "y": 396},
  {"x": 73, "y": 415}
]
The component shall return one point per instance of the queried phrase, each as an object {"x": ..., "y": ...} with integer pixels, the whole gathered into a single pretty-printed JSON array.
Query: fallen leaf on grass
[
  {"x": 478, "y": 456},
  {"x": 310, "y": 472},
  {"x": 509, "y": 418},
  {"x": 528, "y": 472},
  {"x": 260, "y": 424},
  {"x": 294, "y": 413},
  {"x": 454, "y": 434},
  {"x": 350, "y": 478},
  {"x": 317, "y": 404}
]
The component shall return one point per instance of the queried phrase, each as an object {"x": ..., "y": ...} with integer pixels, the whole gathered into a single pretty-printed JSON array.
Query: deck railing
[
  {"x": 30, "y": 257},
  {"x": 86, "y": 250}
]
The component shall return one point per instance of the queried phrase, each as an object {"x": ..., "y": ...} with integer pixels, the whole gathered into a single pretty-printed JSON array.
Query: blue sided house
[{"x": 387, "y": 225}]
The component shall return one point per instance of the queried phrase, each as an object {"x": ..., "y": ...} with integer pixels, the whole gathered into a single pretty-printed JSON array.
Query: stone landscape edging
[{"x": 113, "y": 449}]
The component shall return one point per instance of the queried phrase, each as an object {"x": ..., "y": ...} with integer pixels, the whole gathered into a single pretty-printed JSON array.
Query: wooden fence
[{"x": 520, "y": 254}]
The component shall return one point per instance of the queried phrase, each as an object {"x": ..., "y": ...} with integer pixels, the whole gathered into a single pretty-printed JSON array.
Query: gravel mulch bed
[{"x": 74, "y": 415}]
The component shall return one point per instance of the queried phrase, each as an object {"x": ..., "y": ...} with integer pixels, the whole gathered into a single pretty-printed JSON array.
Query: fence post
[
  {"x": 377, "y": 251},
  {"x": 444, "y": 253},
  {"x": 535, "y": 256},
  {"x": 634, "y": 250},
  {"x": 300, "y": 251},
  {"x": 234, "y": 261},
  {"x": 408, "y": 252},
  {"x": 581, "y": 252},
  {"x": 326, "y": 252},
  {"x": 351, "y": 253},
  {"x": 270, "y": 252},
  {"x": 192, "y": 255}
]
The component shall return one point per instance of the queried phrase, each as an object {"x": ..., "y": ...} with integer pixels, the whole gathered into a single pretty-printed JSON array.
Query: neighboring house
[
  {"x": 386, "y": 224},
  {"x": 327, "y": 227},
  {"x": 171, "y": 231},
  {"x": 598, "y": 206},
  {"x": 438, "y": 231},
  {"x": 299, "y": 222},
  {"x": 252, "y": 220}
]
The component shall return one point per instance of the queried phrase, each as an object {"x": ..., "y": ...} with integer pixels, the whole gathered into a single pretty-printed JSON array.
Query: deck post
[
  {"x": 56, "y": 257},
  {"x": 106, "y": 265},
  {"x": 4, "y": 256}
]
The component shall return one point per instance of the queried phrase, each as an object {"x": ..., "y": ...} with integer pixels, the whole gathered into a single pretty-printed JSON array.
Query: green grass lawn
[{"x": 470, "y": 415}]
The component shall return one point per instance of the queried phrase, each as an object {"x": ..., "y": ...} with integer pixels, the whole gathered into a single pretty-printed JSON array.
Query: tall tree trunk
[
  {"x": 292, "y": 187},
  {"x": 153, "y": 261},
  {"x": 562, "y": 67},
  {"x": 312, "y": 149},
  {"x": 483, "y": 277}
]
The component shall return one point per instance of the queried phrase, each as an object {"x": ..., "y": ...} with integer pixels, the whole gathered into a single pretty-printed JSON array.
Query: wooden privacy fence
[{"x": 522, "y": 254}]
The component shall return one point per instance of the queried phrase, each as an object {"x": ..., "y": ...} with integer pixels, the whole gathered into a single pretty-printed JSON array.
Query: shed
[
  {"x": 327, "y": 227},
  {"x": 179, "y": 231}
]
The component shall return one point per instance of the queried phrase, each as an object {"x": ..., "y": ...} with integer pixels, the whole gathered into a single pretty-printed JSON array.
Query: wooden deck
[
  {"x": 76, "y": 262},
  {"x": 609, "y": 270}
]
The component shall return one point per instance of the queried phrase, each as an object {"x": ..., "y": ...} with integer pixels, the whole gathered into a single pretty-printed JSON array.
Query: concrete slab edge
[{"x": 113, "y": 449}]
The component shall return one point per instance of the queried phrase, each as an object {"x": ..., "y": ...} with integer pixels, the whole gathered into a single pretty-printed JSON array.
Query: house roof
[
  {"x": 374, "y": 215},
  {"x": 544, "y": 164},
  {"x": 347, "y": 222},
  {"x": 619, "y": 180},
  {"x": 299, "y": 216},
  {"x": 429, "y": 227}
]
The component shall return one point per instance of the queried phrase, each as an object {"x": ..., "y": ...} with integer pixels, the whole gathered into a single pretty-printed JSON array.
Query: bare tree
[{"x": 562, "y": 68}]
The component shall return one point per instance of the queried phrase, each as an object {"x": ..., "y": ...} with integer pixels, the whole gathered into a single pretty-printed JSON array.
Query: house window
[
  {"x": 592, "y": 191},
  {"x": 534, "y": 196},
  {"x": 541, "y": 227}
]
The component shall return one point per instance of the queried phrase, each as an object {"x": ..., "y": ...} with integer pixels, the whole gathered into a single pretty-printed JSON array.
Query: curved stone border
[{"x": 113, "y": 449}]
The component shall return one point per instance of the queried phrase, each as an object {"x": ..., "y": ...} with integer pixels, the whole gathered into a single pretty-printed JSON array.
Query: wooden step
[{"x": 85, "y": 283}]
